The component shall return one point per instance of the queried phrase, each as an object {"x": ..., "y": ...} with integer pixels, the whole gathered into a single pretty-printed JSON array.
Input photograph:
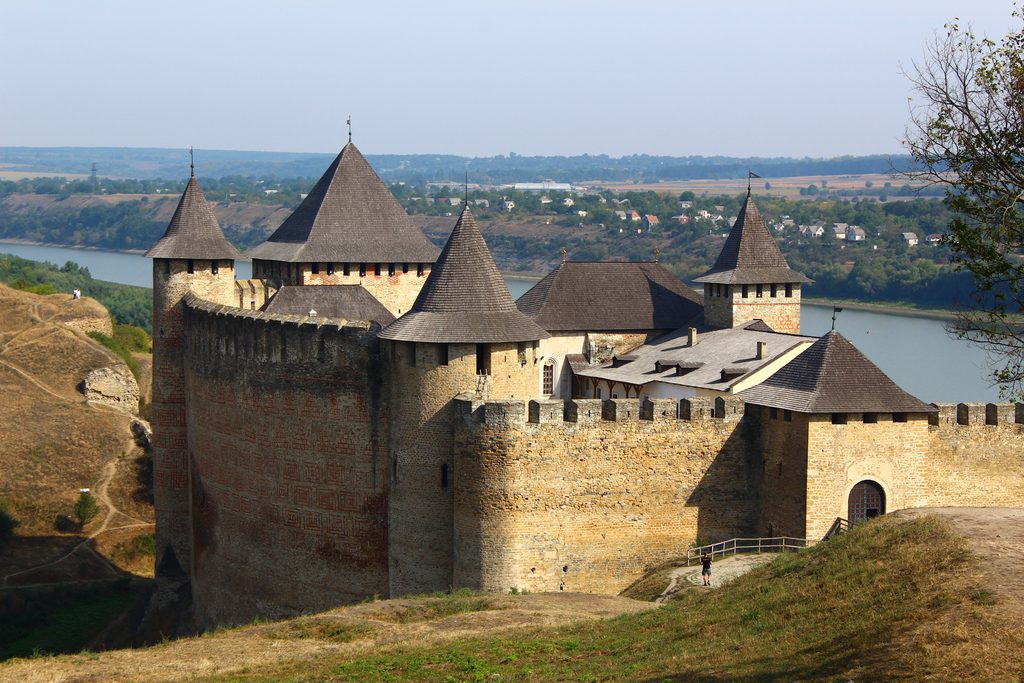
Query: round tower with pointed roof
[
  {"x": 349, "y": 230},
  {"x": 192, "y": 256},
  {"x": 463, "y": 334},
  {"x": 751, "y": 279}
]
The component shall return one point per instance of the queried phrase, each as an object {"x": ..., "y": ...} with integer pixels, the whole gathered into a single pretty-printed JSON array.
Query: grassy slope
[{"x": 891, "y": 600}]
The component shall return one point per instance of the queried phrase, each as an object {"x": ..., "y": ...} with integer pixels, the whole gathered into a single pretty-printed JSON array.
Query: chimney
[
  {"x": 693, "y": 336},
  {"x": 762, "y": 350}
]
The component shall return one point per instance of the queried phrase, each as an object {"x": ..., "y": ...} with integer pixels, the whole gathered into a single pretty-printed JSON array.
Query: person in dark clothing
[{"x": 705, "y": 563}]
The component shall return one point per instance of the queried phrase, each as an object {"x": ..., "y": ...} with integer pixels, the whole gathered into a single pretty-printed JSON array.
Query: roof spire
[
  {"x": 565, "y": 255},
  {"x": 191, "y": 164},
  {"x": 349, "y": 122}
]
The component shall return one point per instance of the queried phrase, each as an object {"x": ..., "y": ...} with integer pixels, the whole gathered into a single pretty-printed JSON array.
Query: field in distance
[{"x": 784, "y": 187}]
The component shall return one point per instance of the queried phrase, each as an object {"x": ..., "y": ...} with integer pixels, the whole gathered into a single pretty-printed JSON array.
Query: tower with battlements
[
  {"x": 464, "y": 335},
  {"x": 192, "y": 257},
  {"x": 751, "y": 279}
]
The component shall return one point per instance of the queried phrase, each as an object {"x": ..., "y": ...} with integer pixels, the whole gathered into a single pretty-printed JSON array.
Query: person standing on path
[{"x": 705, "y": 563}]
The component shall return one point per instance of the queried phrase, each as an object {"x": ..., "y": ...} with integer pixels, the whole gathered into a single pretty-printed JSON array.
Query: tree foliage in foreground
[{"x": 967, "y": 132}]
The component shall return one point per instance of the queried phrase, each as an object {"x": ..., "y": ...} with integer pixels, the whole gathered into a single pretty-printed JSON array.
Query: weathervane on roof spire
[
  {"x": 750, "y": 174},
  {"x": 565, "y": 255},
  {"x": 835, "y": 309},
  {"x": 191, "y": 163},
  {"x": 657, "y": 254},
  {"x": 467, "y": 189},
  {"x": 349, "y": 122}
]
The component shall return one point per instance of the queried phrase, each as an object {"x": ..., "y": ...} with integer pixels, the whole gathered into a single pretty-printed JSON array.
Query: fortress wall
[
  {"x": 781, "y": 472},
  {"x": 970, "y": 455},
  {"x": 421, "y": 502},
  {"x": 585, "y": 495},
  {"x": 171, "y": 284},
  {"x": 976, "y": 455},
  {"x": 893, "y": 454},
  {"x": 286, "y": 427}
]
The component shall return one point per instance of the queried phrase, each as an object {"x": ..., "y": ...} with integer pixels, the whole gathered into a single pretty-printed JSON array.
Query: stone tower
[
  {"x": 192, "y": 256},
  {"x": 751, "y": 279},
  {"x": 463, "y": 334},
  {"x": 349, "y": 230}
]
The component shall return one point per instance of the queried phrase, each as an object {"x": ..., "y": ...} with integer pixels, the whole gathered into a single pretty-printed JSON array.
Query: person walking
[{"x": 705, "y": 563}]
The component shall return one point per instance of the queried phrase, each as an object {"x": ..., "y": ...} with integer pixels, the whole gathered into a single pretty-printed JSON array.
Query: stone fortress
[{"x": 369, "y": 417}]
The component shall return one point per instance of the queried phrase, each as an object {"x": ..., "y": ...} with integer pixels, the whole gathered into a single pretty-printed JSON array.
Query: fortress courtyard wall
[
  {"x": 288, "y": 473},
  {"x": 586, "y": 495}
]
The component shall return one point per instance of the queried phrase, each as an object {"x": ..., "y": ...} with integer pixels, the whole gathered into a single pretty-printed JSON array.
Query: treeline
[
  {"x": 502, "y": 168},
  {"x": 127, "y": 304}
]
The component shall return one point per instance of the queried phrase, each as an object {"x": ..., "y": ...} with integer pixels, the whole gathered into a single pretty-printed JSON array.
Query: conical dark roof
[
  {"x": 465, "y": 299},
  {"x": 193, "y": 232},
  {"x": 348, "y": 216},
  {"x": 832, "y": 376},
  {"x": 750, "y": 254}
]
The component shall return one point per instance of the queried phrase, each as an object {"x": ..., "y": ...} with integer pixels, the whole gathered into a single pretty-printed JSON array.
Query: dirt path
[
  {"x": 722, "y": 572},
  {"x": 996, "y": 535}
]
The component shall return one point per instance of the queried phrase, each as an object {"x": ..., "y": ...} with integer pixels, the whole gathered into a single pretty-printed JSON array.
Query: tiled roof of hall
[
  {"x": 611, "y": 296},
  {"x": 347, "y": 302},
  {"x": 349, "y": 216},
  {"x": 465, "y": 299},
  {"x": 750, "y": 254},
  {"x": 833, "y": 376},
  {"x": 193, "y": 232}
]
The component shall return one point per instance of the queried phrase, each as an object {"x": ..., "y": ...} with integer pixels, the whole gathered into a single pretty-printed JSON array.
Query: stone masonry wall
[
  {"x": 964, "y": 458},
  {"x": 780, "y": 312},
  {"x": 287, "y": 427},
  {"x": 782, "y": 471},
  {"x": 171, "y": 283},
  {"x": 420, "y": 538},
  {"x": 585, "y": 495}
]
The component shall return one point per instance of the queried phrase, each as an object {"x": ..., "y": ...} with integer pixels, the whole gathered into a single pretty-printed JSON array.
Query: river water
[{"x": 917, "y": 353}]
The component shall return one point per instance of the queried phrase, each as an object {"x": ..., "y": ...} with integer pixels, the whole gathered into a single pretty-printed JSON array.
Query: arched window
[{"x": 549, "y": 377}]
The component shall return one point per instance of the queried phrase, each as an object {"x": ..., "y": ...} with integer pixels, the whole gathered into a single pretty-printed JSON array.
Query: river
[{"x": 917, "y": 353}]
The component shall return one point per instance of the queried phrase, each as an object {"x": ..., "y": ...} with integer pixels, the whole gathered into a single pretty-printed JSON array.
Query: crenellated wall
[
  {"x": 584, "y": 495},
  {"x": 287, "y": 429}
]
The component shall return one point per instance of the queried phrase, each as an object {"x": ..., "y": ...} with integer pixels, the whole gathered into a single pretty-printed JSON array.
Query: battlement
[
  {"x": 953, "y": 415},
  {"x": 592, "y": 411}
]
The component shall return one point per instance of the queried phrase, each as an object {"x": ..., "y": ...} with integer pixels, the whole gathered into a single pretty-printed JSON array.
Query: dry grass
[
  {"x": 60, "y": 443},
  {"x": 783, "y": 187}
]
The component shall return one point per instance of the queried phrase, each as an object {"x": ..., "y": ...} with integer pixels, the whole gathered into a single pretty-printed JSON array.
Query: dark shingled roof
[
  {"x": 750, "y": 254},
  {"x": 832, "y": 376},
  {"x": 610, "y": 295},
  {"x": 350, "y": 302},
  {"x": 465, "y": 299},
  {"x": 193, "y": 232},
  {"x": 348, "y": 216}
]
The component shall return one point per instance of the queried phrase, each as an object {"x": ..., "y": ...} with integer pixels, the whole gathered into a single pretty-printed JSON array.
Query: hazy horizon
[{"x": 803, "y": 79}]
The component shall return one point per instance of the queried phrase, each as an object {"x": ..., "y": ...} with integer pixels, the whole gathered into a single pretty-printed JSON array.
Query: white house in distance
[
  {"x": 856, "y": 234},
  {"x": 910, "y": 238}
]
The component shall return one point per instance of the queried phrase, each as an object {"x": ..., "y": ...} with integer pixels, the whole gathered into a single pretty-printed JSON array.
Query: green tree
[
  {"x": 967, "y": 134},
  {"x": 86, "y": 508}
]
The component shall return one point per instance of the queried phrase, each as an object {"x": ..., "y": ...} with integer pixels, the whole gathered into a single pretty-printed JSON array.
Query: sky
[{"x": 722, "y": 77}]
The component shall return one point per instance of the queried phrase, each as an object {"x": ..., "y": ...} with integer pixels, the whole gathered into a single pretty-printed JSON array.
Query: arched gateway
[{"x": 867, "y": 500}]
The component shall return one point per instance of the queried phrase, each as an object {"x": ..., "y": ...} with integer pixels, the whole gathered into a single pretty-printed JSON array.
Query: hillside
[
  {"x": 919, "y": 595},
  {"x": 55, "y": 442}
]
